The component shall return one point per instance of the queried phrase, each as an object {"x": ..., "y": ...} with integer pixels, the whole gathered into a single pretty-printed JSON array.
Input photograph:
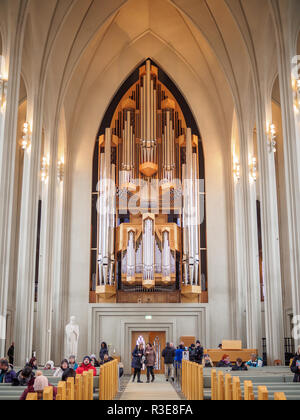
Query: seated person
[
  {"x": 207, "y": 362},
  {"x": 24, "y": 377},
  {"x": 49, "y": 365},
  {"x": 68, "y": 373},
  {"x": 225, "y": 362},
  {"x": 38, "y": 384},
  {"x": 85, "y": 366},
  {"x": 94, "y": 361},
  {"x": 255, "y": 361},
  {"x": 239, "y": 366},
  {"x": 106, "y": 359},
  {"x": 7, "y": 374},
  {"x": 63, "y": 367},
  {"x": 72, "y": 363},
  {"x": 33, "y": 363}
]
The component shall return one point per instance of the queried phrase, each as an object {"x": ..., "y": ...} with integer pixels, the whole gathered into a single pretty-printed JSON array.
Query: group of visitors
[
  {"x": 34, "y": 379},
  {"x": 146, "y": 359}
]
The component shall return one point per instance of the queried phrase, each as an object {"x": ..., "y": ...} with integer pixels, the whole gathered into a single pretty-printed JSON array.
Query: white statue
[{"x": 72, "y": 338}]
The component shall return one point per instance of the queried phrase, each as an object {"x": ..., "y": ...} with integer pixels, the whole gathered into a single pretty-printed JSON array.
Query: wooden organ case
[{"x": 149, "y": 201}]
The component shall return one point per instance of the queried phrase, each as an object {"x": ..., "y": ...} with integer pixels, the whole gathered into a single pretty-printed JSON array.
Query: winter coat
[
  {"x": 85, "y": 368},
  {"x": 169, "y": 355},
  {"x": 10, "y": 354},
  {"x": 178, "y": 355},
  {"x": 59, "y": 373},
  {"x": 150, "y": 357},
  {"x": 103, "y": 351},
  {"x": 8, "y": 377},
  {"x": 20, "y": 381},
  {"x": 137, "y": 361},
  {"x": 295, "y": 368},
  {"x": 30, "y": 389},
  {"x": 222, "y": 364},
  {"x": 236, "y": 368},
  {"x": 199, "y": 354}
]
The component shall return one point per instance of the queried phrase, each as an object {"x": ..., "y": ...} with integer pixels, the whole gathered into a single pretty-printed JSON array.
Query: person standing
[
  {"x": 169, "y": 355},
  {"x": 198, "y": 353},
  {"x": 103, "y": 351},
  {"x": 150, "y": 362},
  {"x": 137, "y": 362},
  {"x": 11, "y": 353}
]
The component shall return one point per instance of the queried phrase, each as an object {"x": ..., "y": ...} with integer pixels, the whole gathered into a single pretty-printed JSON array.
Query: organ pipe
[
  {"x": 166, "y": 257},
  {"x": 148, "y": 252}
]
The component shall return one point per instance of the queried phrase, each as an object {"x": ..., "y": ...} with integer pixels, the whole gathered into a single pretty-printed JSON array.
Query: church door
[{"x": 158, "y": 340}]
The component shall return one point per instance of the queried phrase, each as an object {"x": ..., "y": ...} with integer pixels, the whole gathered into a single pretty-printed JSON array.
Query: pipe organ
[{"x": 149, "y": 212}]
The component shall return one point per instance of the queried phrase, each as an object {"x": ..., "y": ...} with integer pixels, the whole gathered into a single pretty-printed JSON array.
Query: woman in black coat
[
  {"x": 295, "y": 367},
  {"x": 137, "y": 362},
  {"x": 103, "y": 351}
]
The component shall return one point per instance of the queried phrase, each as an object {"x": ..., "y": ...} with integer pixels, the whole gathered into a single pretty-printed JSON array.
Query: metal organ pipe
[
  {"x": 148, "y": 250},
  {"x": 106, "y": 219},
  {"x": 166, "y": 256},
  {"x": 131, "y": 255}
]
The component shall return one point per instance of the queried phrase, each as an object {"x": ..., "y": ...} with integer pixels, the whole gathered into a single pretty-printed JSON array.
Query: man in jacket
[
  {"x": 7, "y": 374},
  {"x": 86, "y": 366},
  {"x": 239, "y": 366},
  {"x": 199, "y": 353},
  {"x": 169, "y": 355}
]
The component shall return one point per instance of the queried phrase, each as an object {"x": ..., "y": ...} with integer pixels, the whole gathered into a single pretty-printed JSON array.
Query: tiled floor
[{"x": 160, "y": 390}]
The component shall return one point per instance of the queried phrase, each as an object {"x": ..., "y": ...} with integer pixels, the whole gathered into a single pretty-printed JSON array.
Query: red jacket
[
  {"x": 85, "y": 368},
  {"x": 30, "y": 389}
]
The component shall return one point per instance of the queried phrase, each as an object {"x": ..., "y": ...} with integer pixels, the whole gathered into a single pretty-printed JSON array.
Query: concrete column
[
  {"x": 291, "y": 150},
  {"x": 270, "y": 239},
  {"x": 59, "y": 292},
  {"x": 8, "y": 133},
  {"x": 247, "y": 252},
  {"x": 252, "y": 279},
  {"x": 28, "y": 235}
]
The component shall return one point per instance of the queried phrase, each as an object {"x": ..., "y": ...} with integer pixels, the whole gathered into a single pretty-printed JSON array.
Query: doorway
[{"x": 158, "y": 339}]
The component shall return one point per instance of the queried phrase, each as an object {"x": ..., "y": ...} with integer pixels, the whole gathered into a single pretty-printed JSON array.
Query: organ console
[{"x": 148, "y": 196}]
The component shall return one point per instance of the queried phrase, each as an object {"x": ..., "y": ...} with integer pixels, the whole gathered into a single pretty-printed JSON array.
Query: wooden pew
[
  {"x": 263, "y": 394},
  {"x": 228, "y": 387},
  {"x": 216, "y": 354},
  {"x": 109, "y": 381},
  {"x": 32, "y": 396},
  {"x": 78, "y": 387},
  {"x": 248, "y": 391},
  {"x": 61, "y": 391},
  {"x": 279, "y": 396},
  {"x": 221, "y": 389},
  {"x": 236, "y": 389},
  {"x": 70, "y": 389},
  {"x": 48, "y": 393},
  {"x": 214, "y": 386}
]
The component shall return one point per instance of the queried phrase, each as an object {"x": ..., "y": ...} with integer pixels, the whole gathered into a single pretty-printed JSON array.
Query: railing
[
  {"x": 109, "y": 381},
  {"x": 192, "y": 383},
  {"x": 230, "y": 389}
]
